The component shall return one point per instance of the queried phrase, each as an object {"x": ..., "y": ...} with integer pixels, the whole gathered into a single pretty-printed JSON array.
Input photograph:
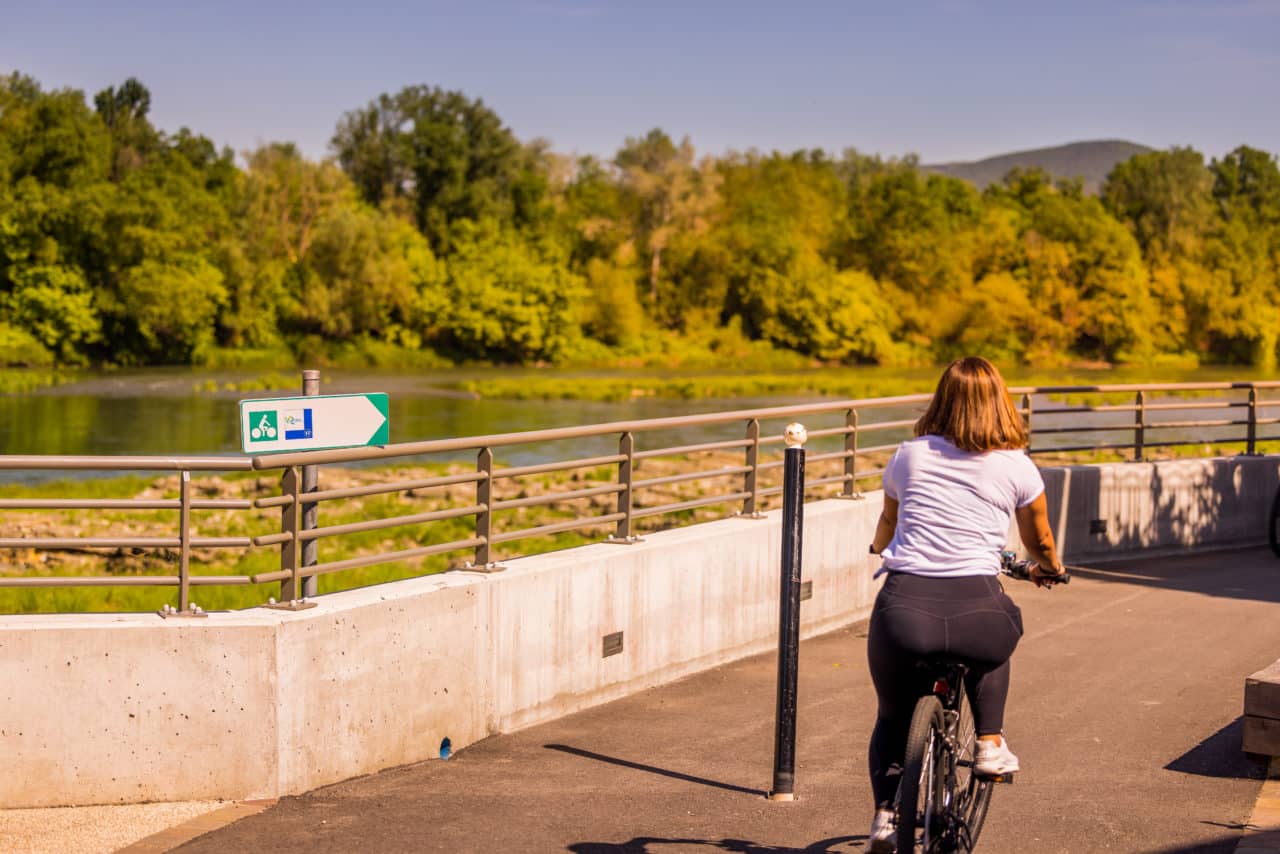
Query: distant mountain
[{"x": 1088, "y": 160}]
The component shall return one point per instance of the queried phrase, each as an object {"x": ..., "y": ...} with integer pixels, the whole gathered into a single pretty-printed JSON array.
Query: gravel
[{"x": 91, "y": 830}]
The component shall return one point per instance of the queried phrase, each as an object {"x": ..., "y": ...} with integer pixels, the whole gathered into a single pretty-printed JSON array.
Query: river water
[
  {"x": 169, "y": 412},
  {"x": 163, "y": 412}
]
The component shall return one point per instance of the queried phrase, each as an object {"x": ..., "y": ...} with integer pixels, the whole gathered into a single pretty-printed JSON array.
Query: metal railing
[{"x": 740, "y": 481}]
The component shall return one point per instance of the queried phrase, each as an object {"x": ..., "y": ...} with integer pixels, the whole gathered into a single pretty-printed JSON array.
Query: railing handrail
[
  {"x": 496, "y": 440},
  {"x": 71, "y": 462},
  {"x": 551, "y": 434},
  {"x": 1238, "y": 385}
]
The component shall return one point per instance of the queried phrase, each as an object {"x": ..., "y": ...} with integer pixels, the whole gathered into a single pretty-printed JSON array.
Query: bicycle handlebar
[{"x": 1021, "y": 569}]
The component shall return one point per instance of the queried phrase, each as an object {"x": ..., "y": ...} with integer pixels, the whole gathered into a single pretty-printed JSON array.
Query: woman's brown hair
[{"x": 972, "y": 409}]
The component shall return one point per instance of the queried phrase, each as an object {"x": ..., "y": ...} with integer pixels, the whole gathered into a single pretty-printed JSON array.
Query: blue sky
[{"x": 947, "y": 79}]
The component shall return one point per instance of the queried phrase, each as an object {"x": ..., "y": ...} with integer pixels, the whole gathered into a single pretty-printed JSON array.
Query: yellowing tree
[{"x": 665, "y": 193}]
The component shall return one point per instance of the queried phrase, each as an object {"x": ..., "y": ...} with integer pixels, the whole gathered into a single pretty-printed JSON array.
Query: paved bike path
[{"x": 1127, "y": 693}]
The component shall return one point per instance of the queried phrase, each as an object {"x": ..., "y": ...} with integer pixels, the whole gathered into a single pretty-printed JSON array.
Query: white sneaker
[
  {"x": 884, "y": 833},
  {"x": 992, "y": 760}
]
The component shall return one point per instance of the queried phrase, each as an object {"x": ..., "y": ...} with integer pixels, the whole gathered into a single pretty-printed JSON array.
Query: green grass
[{"x": 273, "y": 381}]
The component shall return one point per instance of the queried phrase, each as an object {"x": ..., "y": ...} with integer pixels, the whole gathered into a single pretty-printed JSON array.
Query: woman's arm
[
  {"x": 885, "y": 525},
  {"x": 1033, "y": 528}
]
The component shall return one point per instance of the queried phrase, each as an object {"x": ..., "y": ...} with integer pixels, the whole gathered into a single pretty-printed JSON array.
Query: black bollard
[{"x": 784, "y": 741}]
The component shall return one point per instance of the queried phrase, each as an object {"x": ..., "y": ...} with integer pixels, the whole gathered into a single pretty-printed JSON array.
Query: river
[{"x": 170, "y": 411}]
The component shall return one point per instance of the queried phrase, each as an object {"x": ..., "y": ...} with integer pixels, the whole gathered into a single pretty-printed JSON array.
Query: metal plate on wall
[{"x": 611, "y": 645}]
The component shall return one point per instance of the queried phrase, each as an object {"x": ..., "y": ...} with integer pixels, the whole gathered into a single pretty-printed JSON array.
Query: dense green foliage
[{"x": 435, "y": 234}]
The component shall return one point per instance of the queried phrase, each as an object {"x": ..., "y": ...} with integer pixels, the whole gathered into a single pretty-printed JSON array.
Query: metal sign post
[
  {"x": 784, "y": 740},
  {"x": 310, "y": 512}
]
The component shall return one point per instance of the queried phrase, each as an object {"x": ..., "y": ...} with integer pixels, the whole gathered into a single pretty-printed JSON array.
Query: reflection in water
[{"x": 66, "y": 424}]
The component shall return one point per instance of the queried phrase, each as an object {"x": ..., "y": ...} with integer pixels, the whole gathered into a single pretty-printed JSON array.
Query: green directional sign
[{"x": 314, "y": 422}]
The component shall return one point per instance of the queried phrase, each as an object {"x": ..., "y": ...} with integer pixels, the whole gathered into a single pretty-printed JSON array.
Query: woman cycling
[{"x": 949, "y": 497}]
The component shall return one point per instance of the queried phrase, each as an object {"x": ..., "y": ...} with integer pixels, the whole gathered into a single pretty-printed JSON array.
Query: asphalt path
[{"x": 1125, "y": 711}]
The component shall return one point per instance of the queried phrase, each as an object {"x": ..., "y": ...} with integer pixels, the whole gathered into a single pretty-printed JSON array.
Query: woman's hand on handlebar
[{"x": 1047, "y": 577}]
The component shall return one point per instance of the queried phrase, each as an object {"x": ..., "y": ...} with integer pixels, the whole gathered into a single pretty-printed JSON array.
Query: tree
[
  {"x": 1165, "y": 197},
  {"x": 153, "y": 262},
  {"x": 43, "y": 293},
  {"x": 315, "y": 260},
  {"x": 363, "y": 274},
  {"x": 809, "y": 307},
  {"x": 278, "y": 209},
  {"x": 666, "y": 193},
  {"x": 1081, "y": 265},
  {"x": 914, "y": 233},
  {"x": 1246, "y": 183},
  {"x": 50, "y": 137},
  {"x": 1244, "y": 256},
  {"x": 447, "y": 156},
  {"x": 591, "y": 218},
  {"x": 124, "y": 111},
  {"x": 612, "y": 314},
  {"x": 52, "y": 147},
  {"x": 503, "y": 300}
]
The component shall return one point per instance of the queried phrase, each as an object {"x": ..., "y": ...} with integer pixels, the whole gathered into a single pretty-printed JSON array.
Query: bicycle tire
[
  {"x": 1273, "y": 529},
  {"x": 972, "y": 793},
  {"x": 921, "y": 789}
]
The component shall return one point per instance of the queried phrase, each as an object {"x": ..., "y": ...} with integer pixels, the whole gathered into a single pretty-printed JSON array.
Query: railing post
[
  {"x": 484, "y": 519},
  {"x": 1252, "y": 438},
  {"x": 184, "y": 547},
  {"x": 1026, "y": 413},
  {"x": 290, "y": 484},
  {"x": 310, "y": 512},
  {"x": 850, "y": 489},
  {"x": 626, "y": 449},
  {"x": 484, "y": 498},
  {"x": 186, "y": 608},
  {"x": 751, "y": 480},
  {"x": 1139, "y": 426}
]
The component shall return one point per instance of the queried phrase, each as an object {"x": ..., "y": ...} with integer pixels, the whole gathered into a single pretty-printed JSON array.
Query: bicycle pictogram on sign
[{"x": 264, "y": 426}]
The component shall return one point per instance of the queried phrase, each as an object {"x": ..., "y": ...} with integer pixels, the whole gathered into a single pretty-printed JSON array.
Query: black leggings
[{"x": 918, "y": 616}]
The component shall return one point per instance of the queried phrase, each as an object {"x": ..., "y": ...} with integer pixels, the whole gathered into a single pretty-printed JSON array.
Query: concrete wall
[
  {"x": 260, "y": 703},
  {"x": 1220, "y": 502}
]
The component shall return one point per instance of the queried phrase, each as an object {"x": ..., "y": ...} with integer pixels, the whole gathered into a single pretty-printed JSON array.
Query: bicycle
[{"x": 942, "y": 803}]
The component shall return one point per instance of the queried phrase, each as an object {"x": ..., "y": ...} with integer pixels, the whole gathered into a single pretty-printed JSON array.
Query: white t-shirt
[{"x": 954, "y": 506}]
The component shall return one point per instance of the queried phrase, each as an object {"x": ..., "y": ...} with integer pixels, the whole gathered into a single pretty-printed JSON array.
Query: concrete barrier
[
  {"x": 1261, "y": 733},
  {"x": 263, "y": 703}
]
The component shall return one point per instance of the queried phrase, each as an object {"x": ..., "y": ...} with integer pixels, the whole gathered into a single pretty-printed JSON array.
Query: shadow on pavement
[
  {"x": 1220, "y": 755},
  {"x": 675, "y": 775},
  {"x": 1250, "y": 573},
  {"x": 653, "y": 845},
  {"x": 1221, "y": 845}
]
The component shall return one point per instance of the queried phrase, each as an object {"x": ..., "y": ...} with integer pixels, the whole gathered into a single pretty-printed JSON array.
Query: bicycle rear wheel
[
  {"x": 972, "y": 793},
  {"x": 921, "y": 792},
  {"x": 1273, "y": 527}
]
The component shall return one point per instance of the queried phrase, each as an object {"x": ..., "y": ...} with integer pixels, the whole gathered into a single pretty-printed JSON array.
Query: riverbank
[{"x": 726, "y": 378}]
